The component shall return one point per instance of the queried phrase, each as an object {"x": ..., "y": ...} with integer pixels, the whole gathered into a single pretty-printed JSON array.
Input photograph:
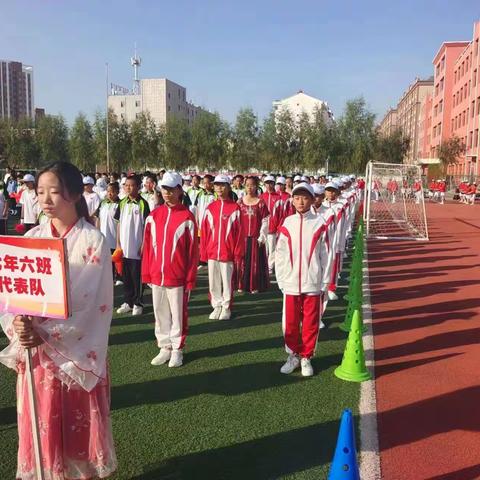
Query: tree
[
  {"x": 51, "y": 137},
  {"x": 177, "y": 140},
  {"x": 356, "y": 137},
  {"x": 17, "y": 143},
  {"x": 81, "y": 144},
  {"x": 392, "y": 148},
  {"x": 267, "y": 144},
  {"x": 245, "y": 140},
  {"x": 449, "y": 151},
  {"x": 144, "y": 142},
  {"x": 286, "y": 140},
  {"x": 120, "y": 145},
  {"x": 100, "y": 136},
  {"x": 209, "y": 141},
  {"x": 322, "y": 141}
]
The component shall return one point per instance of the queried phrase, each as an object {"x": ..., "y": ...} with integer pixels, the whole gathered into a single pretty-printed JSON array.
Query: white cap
[
  {"x": 303, "y": 178},
  {"x": 123, "y": 180},
  {"x": 331, "y": 185},
  {"x": 269, "y": 178},
  {"x": 338, "y": 182},
  {"x": 171, "y": 180},
  {"x": 318, "y": 189},
  {"x": 88, "y": 180},
  {"x": 187, "y": 178},
  {"x": 101, "y": 183},
  {"x": 222, "y": 179},
  {"x": 28, "y": 178},
  {"x": 281, "y": 180},
  {"x": 352, "y": 176},
  {"x": 297, "y": 178},
  {"x": 303, "y": 186}
]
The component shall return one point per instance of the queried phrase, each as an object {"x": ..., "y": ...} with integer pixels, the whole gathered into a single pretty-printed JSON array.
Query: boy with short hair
[
  {"x": 131, "y": 215},
  {"x": 29, "y": 202},
  {"x": 302, "y": 271}
]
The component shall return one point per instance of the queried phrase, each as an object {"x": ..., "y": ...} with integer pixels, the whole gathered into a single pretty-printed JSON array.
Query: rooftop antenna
[{"x": 136, "y": 61}]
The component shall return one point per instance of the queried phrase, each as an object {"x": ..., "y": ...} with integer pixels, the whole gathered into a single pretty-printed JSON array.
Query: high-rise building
[
  {"x": 160, "y": 97},
  {"x": 302, "y": 103},
  {"x": 16, "y": 90},
  {"x": 389, "y": 123}
]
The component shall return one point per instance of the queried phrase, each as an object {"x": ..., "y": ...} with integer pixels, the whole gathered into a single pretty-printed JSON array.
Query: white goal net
[{"x": 394, "y": 204}]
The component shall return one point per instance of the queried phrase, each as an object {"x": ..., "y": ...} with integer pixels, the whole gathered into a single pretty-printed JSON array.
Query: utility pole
[{"x": 106, "y": 120}]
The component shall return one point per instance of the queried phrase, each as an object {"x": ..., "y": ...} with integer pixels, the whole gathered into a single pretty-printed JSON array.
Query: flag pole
[{"x": 33, "y": 415}]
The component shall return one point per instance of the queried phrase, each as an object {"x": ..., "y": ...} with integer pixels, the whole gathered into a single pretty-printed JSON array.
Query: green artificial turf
[{"x": 228, "y": 413}]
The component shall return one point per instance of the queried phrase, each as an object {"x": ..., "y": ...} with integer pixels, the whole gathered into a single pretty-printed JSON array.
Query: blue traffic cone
[{"x": 344, "y": 465}]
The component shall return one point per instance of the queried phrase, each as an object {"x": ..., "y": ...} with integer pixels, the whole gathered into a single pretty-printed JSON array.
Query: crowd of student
[
  {"x": 160, "y": 230},
  {"x": 466, "y": 192}
]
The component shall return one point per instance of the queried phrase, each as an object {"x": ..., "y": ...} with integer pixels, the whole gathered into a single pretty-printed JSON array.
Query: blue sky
[{"x": 231, "y": 54}]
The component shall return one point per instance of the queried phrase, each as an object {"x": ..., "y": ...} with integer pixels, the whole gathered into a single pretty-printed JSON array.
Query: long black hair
[{"x": 71, "y": 183}]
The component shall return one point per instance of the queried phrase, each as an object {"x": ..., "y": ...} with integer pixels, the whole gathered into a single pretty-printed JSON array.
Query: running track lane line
[{"x": 370, "y": 467}]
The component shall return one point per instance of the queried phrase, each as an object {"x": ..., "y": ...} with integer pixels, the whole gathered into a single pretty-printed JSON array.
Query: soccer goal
[{"x": 394, "y": 202}]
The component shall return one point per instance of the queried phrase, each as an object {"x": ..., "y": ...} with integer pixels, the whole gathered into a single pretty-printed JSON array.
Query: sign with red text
[{"x": 33, "y": 277}]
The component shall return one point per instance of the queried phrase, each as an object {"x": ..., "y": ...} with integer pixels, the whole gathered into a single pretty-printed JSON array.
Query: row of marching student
[{"x": 240, "y": 235}]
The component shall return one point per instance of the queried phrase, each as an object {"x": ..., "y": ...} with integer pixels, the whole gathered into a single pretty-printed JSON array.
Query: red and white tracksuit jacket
[
  {"x": 288, "y": 208},
  {"x": 276, "y": 208},
  {"x": 302, "y": 270},
  {"x": 338, "y": 241},
  {"x": 222, "y": 243},
  {"x": 169, "y": 264}
]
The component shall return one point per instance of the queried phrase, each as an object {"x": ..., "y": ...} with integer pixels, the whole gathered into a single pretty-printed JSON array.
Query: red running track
[{"x": 426, "y": 322}]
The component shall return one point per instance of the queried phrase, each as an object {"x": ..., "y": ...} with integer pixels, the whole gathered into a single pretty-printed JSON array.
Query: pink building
[
  {"x": 465, "y": 116},
  {"x": 444, "y": 64},
  {"x": 425, "y": 128},
  {"x": 455, "y": 104}
]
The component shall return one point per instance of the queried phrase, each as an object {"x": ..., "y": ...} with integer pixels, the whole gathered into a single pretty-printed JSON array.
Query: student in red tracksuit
[
  {"x": 222, "y": 245},
  {"x": 286, "y": 197},
  {"x": 301, "y": 267},
  {"x": 275, "y": 207},
  {"x": 169, "y": 264}
]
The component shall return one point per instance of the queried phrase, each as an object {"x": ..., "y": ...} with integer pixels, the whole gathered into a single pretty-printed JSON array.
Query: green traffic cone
[{"x": 353, "y": 368}]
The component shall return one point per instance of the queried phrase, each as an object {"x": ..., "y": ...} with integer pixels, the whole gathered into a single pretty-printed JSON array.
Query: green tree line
[{"x": 280, "y": 143}]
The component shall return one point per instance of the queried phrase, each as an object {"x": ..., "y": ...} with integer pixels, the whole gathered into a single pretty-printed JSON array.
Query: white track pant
[
  {"x": 171, "y": 316},
  {"x": 220, "y": 283},
  {"x": 418, "y": 197},
  {"x": 271, "y": 244}
]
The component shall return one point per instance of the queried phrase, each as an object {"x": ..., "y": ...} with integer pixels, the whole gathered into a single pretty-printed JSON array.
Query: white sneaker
[
  {"x": 307, "y": 369},
  {"x": 226, "y": 314},
  {"x": 137, "y": 310},
  {"x": 162, "y": 357},
  {"x": 216, "y": 313},
  {"x": 125, "y": 308},
  {"x": 322, "y": 325},
  {"x": 176, "y": 360},
  {"x": 291, "y": 364},
  {"x": 118, "y": 283},
  {"x": 332, "y": 296}
]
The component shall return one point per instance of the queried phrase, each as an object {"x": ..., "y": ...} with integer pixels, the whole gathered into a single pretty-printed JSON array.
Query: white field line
[{"x": 370, "y": 468}]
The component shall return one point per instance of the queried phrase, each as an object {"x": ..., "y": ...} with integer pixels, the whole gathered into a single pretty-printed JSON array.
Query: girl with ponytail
[{"x": 70, "y": 358}]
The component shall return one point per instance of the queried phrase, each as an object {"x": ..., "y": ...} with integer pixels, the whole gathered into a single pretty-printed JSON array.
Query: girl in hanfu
[
  {"x": 69, "y": 356},
  {"x": 254, "y": 218}
]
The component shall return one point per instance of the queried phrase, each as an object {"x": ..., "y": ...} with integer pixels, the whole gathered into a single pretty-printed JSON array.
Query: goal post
[{"x": 394, "y": 202}]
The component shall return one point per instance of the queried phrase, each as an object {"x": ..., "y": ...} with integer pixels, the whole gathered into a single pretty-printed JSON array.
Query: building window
[
  {"x": 137, "y": 103},
  {"x": 476, "y": 138},
  {"x": 122, "y": 104},
  {"x": 122, "y": 116},
  {"x": 168, "y": 94},
  {"x": 473, "y": 109},
  {"x": 169, "y": 108},
  {"x": 474, "y": 77},
  {"x": 179, "y": 93},
  {"x": 179, "y": 108},
  {"x": 137, "y": 115},
  {"x": 478, "y": 106}
]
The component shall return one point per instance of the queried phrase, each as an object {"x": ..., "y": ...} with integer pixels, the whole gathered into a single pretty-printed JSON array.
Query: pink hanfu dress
[{"x": 70, "y": 370}]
